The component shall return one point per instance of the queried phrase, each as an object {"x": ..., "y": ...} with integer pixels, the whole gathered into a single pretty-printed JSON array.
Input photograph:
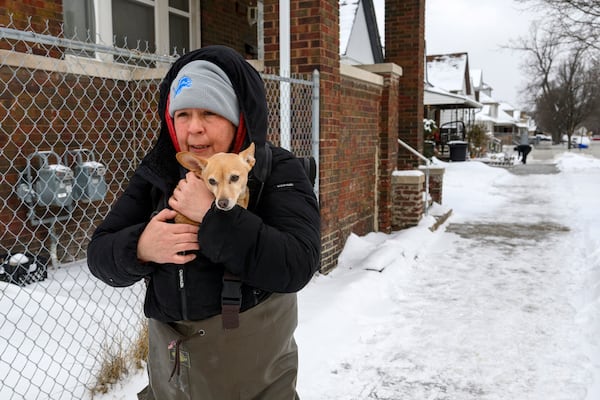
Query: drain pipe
[
  {"x": 427, "y": 164},
  {"x": 260, "y": 30},
  {"x": 315, "y": 125}
]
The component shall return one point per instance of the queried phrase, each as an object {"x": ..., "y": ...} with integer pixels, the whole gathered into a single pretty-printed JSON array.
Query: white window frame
[{"x": 103, "y": 15}]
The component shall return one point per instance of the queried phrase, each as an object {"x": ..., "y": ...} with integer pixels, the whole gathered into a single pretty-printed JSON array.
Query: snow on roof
[
  {"x": 447, "y": 71},
  {"x": 506, "y": 107},
  {"x": 484, "y": 117},
  {"x": 485, "y": 99},
  {"x": 506, "y": 114},
  {"x": 348, "y": 9},
  {"x": 438, "y": 96}
]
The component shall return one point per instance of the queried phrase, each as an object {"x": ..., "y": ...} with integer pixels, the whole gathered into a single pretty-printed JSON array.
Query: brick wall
[
  {"x": 355, "y": 208},
  {"x": 40, "y": 16},
  {"x": 38, "y": 12},
  {"x": 225, "y": 22},
  {"x": 388, "y": 145}
]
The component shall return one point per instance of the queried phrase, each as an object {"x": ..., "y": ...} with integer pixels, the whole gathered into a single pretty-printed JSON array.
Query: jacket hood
[{"x": 250, "y": 92}]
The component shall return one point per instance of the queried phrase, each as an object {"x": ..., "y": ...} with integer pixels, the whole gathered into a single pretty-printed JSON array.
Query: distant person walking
[{"x": 522, "y": 151}]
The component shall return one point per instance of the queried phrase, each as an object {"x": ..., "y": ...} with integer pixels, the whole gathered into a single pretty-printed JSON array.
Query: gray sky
[{"x": 480, "y": 28}]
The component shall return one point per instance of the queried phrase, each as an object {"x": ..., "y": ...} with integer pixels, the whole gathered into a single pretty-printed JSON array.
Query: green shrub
[{"x": 478, "y": 140}]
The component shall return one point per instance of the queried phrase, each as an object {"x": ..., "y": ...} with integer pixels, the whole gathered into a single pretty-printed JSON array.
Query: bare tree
[
  {"x": 563, "y": 78},
  {"x": 570, "y": 98},
  {"x": 578, "y": 21},
  {"x": 542, "y": 49}
]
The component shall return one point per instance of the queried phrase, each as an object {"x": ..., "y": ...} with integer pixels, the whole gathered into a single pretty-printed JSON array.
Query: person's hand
[
  {"x": 191, "y": 197},
  {"x": 163, "y": 242}
]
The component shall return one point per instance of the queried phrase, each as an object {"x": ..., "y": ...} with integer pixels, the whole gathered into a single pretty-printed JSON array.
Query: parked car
[{"x": 581, "y": 142}]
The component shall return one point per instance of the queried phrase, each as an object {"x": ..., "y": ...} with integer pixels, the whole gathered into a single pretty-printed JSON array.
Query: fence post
[{"x": 315, "y": 125}]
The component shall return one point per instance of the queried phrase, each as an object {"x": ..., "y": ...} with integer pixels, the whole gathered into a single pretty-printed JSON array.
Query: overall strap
[{"x": 231, "y": 300}]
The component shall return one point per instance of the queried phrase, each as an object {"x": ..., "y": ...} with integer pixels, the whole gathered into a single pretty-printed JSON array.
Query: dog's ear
[
  {"x": 248, "y": 155},
  {"x": 191, "y": 161}
]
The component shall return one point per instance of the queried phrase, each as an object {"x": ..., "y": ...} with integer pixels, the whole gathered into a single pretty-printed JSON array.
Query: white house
[
  {"x": 449, "y": 97},
  {"x": 500, "y": 119}
]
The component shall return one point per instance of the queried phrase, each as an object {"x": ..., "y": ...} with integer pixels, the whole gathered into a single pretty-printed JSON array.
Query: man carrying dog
[{"x": 220, "y": 299}]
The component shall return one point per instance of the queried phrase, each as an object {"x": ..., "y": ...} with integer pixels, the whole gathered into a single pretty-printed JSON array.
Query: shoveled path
[{"x": 488, "y": 312}]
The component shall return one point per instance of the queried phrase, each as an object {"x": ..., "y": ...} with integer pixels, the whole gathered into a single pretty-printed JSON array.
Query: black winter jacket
[{"x": 274, "y": 246}]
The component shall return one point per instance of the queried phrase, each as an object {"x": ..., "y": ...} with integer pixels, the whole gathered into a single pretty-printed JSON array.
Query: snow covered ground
[
  {"x": 501, "y": 302},
  {"x": 500, "y": 305}
]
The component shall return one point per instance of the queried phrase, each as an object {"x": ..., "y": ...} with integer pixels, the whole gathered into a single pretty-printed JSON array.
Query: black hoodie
[{"x": 274, "y": 246}]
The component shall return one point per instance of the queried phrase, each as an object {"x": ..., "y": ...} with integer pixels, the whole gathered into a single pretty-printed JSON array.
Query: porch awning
[{"x": 440, "y": 98}]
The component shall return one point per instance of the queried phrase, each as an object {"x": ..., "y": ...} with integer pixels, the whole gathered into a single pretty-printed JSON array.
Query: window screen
[
  {"x": 133, "y": 22},
  {"x": 79, "y": 20},
  {"x": 179, "y": 33}
]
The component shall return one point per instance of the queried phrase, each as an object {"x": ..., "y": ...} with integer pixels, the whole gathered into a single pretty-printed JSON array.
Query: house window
[
  {"x": 78, "y": 17},
  {"x": 179, "y": 26},
  {"x": 140, "y": 35},
  {"x": 161, "y": 27}
]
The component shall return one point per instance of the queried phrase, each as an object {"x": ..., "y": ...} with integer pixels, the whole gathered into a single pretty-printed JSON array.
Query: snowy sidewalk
[{"x": 500, "y": 303}]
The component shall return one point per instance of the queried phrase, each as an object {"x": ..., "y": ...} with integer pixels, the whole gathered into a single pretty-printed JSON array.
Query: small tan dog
[{"x": 225, "y": 175}]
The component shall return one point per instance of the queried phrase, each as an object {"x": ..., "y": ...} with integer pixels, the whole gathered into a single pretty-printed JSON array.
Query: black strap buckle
[
  {"x": 231, "y": 301},
  {"x": 232, "y": 290}
]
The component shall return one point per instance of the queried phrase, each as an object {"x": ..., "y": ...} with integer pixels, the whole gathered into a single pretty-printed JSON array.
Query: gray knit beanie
[{"x": 202, "y": 84}]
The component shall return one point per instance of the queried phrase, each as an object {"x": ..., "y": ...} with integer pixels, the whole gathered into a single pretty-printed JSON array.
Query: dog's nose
[{"x": 223, "y": 204}]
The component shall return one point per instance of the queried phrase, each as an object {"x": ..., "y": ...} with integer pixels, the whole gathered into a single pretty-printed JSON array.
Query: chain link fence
[{"x": 75, "y": 121}]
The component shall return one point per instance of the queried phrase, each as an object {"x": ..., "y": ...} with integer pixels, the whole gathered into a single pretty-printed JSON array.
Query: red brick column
[
  {"x": 405, "y": 46},
  {"x": 314, "y": 32},
  {"x": 407, "y": 198},
  {"x": 436, "y": 182}
]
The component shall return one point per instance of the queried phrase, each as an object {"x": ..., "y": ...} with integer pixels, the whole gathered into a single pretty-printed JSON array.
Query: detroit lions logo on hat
[{"x": 184, "y": 82}]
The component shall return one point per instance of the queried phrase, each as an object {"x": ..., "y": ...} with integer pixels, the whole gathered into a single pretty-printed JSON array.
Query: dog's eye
[
  {"x": 234, "y": 178},
  {"x": 212, "y": 181}
]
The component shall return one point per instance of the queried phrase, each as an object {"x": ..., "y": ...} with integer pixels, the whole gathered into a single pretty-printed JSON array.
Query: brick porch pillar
[
  {"x": 407, "y": 199},
  {"x": 436, "y": 182},
  {"x": 405, "y": 46}
]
